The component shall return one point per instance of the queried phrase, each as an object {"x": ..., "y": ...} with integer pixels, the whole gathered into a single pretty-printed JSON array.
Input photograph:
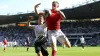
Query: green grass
[{"x": 73, "y": 51}]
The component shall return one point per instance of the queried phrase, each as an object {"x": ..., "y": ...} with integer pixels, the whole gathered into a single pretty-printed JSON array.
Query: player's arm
[
  {"x": 35, "y": 8},
  {"x": 62, "y": 14},
  {"x": 29, "y": 20},
  {"x": 45, "y": 12}
]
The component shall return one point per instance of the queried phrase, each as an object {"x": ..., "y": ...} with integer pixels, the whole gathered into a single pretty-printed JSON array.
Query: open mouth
[{"x": 54, "y": 5}]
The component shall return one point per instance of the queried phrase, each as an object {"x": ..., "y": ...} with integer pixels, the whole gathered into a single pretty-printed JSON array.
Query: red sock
[{"x": 53, "y": 53}]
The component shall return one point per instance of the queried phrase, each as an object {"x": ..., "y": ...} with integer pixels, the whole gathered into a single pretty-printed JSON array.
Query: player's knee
[
  {"x": 69, "y": 45},
  {"x": 54, "y": 47}
]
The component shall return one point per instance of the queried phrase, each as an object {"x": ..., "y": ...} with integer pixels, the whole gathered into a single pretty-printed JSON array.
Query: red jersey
[
  {"x": 5, "y": 42},
  {"x": 53, "y": 21}
]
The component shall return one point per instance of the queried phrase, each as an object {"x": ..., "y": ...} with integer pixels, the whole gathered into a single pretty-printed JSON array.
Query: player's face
[
  {"x": 40, "y": 20},
  {"x": 55, "y": 5}
]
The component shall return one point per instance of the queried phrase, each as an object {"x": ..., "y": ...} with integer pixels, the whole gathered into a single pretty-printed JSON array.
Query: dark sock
[{"x": 27, "y": 49}]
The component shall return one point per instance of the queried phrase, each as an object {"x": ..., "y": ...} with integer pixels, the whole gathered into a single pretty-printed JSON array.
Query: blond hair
[{"x": 55, "y": 2}]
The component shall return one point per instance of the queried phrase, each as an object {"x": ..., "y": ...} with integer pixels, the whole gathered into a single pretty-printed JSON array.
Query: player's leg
[
  {"x": 44, "y": 50},
  {"x": 16, "y": 46},
  {"x": 37, "y": 48},
  {"x": 82, "y": 45},
  {"x": 27, "y": 48},
  {"x": 63, "y": 45},
  {"x": 4, "y": 48},
  {"x": 39, "y": 53},
  {"x": 53, "y": 46},
  {"x": 62, "y": 37},
  {"x": 67, "y": 43},
  {"x": 52, "y": 39}
]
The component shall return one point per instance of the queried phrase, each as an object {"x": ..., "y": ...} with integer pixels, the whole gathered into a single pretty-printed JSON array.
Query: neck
[
  {"x": 54, "y": 9},
  {"x": 40, "y": 24}
]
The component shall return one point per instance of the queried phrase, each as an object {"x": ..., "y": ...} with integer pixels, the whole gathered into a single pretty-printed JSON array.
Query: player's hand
[
  {"x": 47, "y": 12},
  {"x": 37, "y": 5},
  {"x": 61, "y": 13},
  {"x": 30, "y": 17}
]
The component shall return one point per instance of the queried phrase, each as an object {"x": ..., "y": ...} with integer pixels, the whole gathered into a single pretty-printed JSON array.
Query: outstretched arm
[
  {"x": 62, "y": 14},
  {"x": 35, "y": 8},
  {"x": 45, "y": 12},
  {"x": 29, "y": 19}
]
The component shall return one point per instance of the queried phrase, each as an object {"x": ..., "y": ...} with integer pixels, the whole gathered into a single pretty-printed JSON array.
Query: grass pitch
[{"x": 73, "y": 51}]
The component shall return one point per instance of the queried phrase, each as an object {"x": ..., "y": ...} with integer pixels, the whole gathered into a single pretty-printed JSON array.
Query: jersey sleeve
[{"x": 33, "y": 26}]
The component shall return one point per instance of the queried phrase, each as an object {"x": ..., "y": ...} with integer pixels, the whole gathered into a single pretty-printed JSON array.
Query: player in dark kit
[
  {"x": 27, "y": 43},
  {"x": 40, "y": 33},
  {"x": 82, "y": 40}
]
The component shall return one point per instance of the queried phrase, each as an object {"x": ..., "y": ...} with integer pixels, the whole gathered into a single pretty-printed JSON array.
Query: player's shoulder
[{"x": 35, "y": 26}]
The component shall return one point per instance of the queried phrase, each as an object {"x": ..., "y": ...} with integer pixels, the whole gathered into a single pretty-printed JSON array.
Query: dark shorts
[
  {"x": 41, "y": 47},
  {"x": 27, "y": 45},
  {"x": 82, "y": 44}
]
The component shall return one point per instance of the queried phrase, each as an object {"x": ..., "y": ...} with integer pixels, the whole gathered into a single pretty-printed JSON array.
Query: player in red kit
[
  {"x": 53, "y": 24},
  {"x": 53, "y": 19},
  {"x": 4, "y": 44}
]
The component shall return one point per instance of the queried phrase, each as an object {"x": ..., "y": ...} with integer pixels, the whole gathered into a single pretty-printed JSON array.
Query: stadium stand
[
  {"x": 17, "y": 33},
  {"x": 89, "y": 29},
  {"x": 73, "y": 30}
]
